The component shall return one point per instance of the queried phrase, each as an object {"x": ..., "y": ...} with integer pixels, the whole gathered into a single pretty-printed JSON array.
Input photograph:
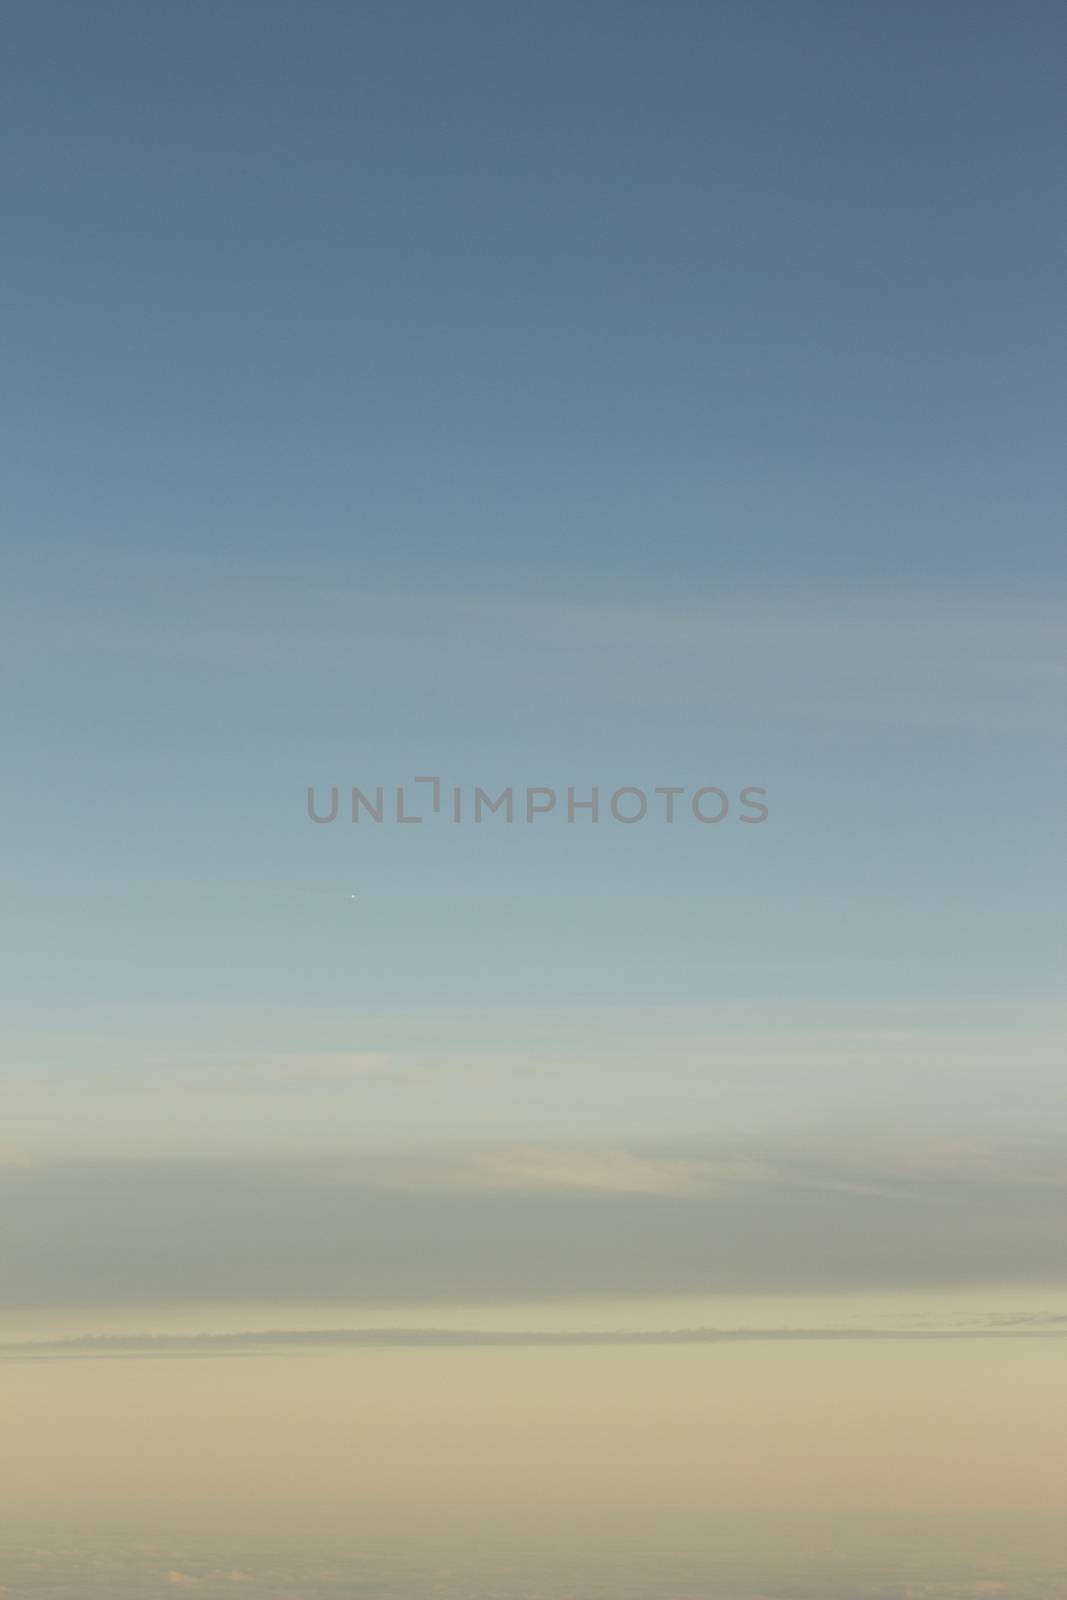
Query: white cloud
[{"x": 308, "y": 1069}]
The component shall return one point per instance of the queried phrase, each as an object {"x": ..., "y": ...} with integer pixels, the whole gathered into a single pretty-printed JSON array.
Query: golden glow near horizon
[{"x": 833, "y": 1425}]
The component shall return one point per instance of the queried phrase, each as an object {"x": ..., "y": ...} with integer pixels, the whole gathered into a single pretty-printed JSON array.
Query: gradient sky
[{"x": 549, "y": 395}]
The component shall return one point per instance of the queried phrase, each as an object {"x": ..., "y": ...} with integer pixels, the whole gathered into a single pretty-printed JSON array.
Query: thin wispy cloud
[
  {"x": 273, "y": 1340},
  {"x": 910, "y": 656}
]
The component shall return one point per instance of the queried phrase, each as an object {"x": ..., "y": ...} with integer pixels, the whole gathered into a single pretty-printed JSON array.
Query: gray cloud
[
  {"x": 808, "y": 1214},
  {"x": 97, "y": 1346}
]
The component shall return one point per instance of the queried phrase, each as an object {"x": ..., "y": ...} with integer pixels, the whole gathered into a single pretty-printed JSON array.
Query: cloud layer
[{"x": 513, "y": 1224}]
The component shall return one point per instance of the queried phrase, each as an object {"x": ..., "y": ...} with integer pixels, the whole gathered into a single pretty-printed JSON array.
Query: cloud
[
  {"x": 909, "y": 657},
  {"x": 807, "y": 1213},
  {"x": 265, "y": 1341},
  {"x": 328, "y": 1069},
  {"x": 611, "y": 1170},
  {"x": 973, "y": 1590}
]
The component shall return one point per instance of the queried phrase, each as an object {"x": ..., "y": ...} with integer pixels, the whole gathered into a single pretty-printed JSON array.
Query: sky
[{"x": 556, "y": 399}]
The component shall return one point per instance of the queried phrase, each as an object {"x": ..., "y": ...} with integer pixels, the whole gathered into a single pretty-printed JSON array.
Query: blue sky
[
  {"x": 469, "y": 294},
  {"x": 592, "y": 394}
]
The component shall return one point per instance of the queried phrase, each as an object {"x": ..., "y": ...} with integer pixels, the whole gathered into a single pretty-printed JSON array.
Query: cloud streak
[
  {"x": 266, "y": 1341},
  {"x": 916, "y": 657}
]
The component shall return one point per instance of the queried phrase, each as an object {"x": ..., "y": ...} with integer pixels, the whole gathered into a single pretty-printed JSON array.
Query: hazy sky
[{"x": 559, "y": 396}]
